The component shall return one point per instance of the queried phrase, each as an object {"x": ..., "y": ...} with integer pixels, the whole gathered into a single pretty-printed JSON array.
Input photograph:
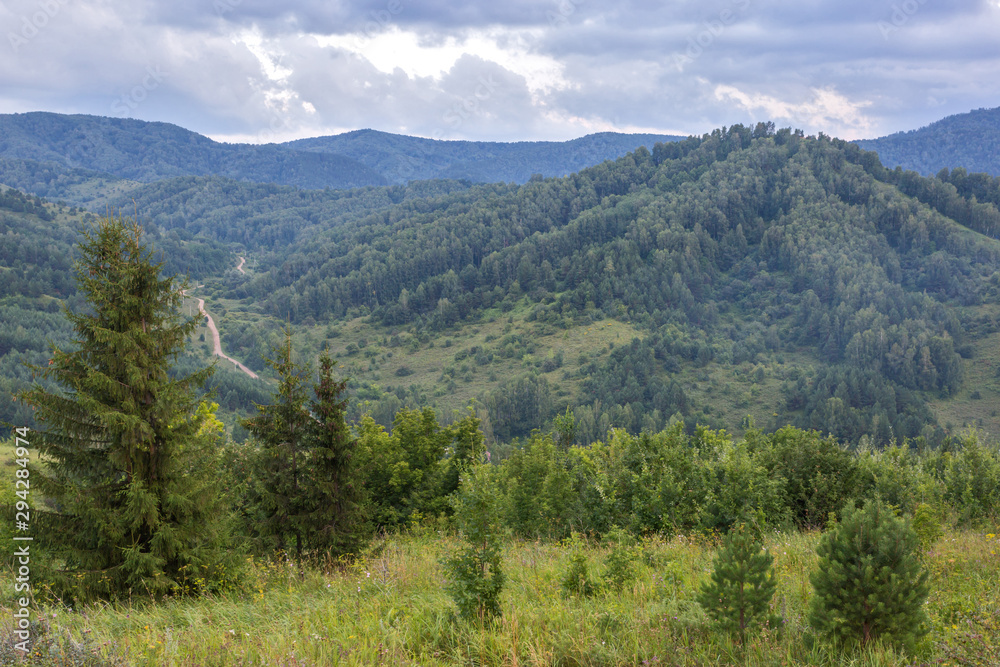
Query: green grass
[{"x": 389, "y": 608}]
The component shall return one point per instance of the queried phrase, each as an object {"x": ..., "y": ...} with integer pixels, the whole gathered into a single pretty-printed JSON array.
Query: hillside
[
  {"x": 400, "y": 158},
  {"x": 141, "y": 151},
  {"x": 747, "y": 272},
  {"x": 969, "y": 140}
]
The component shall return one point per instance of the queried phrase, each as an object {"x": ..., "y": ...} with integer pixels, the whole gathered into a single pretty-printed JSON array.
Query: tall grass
[{"x": 389, "y": 608}]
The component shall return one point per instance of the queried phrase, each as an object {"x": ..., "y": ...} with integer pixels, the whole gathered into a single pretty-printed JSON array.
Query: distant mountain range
[
  {"x": 970, "y": 140},
  {"x": 56, "y": 155},
  {"x": 400, "y": 158}
]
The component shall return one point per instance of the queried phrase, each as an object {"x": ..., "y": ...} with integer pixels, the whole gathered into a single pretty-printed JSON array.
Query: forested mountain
[
  {"x": 968, "y": 140},
  {"x": 85, "y": 159},
  {"x": 401, "y": 158},
  {"x": 744, "y": 272},
  {"x": 141, "y": 151}
]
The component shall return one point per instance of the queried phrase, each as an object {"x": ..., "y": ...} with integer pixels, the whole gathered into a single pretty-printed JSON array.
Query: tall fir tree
[
  {"x": 281, "y": 429},
  {"x": 336, "y": 519},
  {"x": 131, "y": 462}
]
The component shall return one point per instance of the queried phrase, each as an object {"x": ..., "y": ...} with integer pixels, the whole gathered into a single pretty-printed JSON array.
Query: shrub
[
  {"x": 476, "y": 574},
  {"x": 577, "y": 580},
  {"x": 870, "y": 583},
  {"x": 739, "y": 593},
  {"x": 927, "y": 525},
  {"x": 620, "y": 564}
]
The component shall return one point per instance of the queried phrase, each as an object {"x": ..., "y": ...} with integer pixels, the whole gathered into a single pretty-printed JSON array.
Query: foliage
[
  {"x": 476, "y": 571},
  {"x": 738, "y": 596},
  {"x": 577, "y": 580},
  {"x": 870, "y": 583},
  {"x": 281, "y": 429},
  {"x": 334, "y": 489},
  {"x": 132, "y": 456},
  {"x": 621, "y": 562},
  {"x": 927, "y": 525}
]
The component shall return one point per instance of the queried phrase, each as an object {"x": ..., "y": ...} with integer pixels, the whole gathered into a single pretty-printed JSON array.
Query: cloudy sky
[{"x": 263, "y": 70}]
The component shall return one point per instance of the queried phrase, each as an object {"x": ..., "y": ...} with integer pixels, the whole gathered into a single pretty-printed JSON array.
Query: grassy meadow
[{"x": 390, "y": 608}]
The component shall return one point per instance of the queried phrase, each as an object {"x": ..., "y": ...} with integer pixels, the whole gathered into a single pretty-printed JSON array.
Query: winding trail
[
  {"x": 216, "y": 338},
  {"x": 240, "y": 266}
]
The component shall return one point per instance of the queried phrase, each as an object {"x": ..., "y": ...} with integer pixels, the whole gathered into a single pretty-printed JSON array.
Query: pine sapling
[
  {"x": 738, "y": 596},
  {"x": 870, "y": 583}
]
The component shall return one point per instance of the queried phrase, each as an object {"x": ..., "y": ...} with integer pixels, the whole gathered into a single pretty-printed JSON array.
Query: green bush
[
  {"x": 620, "y": 564},
  {"x": 476, "y": 577},
  {"x": 577, "y": 579},
  {"x": 738, "y": 596},
  {"x": 870, "y": 583}
]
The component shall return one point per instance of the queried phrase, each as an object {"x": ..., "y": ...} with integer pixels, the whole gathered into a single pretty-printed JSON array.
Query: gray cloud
[{"x": 554, "y": 69}]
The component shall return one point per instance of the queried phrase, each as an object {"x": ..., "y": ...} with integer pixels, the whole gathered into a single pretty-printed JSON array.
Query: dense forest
[
  {"x": 746, "y": 272},
  {"x": 968, "y": 140},
  {"x": 744, "y": 249},
  {"x": 402, "y": 158},
  {"x": 142, "y": 151}
]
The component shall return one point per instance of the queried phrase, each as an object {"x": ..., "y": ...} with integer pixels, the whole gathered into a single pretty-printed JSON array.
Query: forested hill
[
  {"x": 747, "y": 271},
  {"x": 401, "y": 158},
  {"x": 142, "y": 151},
  {"x": 969, "y": 140}
]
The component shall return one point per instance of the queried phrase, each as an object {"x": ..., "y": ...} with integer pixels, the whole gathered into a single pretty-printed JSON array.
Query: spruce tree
[
  {"x": 870, "y": 582},
  {"x": 742, "y": 585},
  {"x": 131, "y": 463},
  {"x": 281, "y": 429},
  {"x": 335, "y": 522}
]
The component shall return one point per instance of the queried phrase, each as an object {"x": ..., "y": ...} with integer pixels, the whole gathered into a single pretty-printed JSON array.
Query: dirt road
[
  {"x": 217, "y": 341},
  {"x": 240, "y": 266}
]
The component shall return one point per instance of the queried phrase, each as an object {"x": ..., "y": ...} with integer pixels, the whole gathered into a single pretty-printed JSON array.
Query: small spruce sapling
[
  {"x": 870, "y": 583},
  {"x": 476, "y": 577},
  {"x": 738, "y": 596}
]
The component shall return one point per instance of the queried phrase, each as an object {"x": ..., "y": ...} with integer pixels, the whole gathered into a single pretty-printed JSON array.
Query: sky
[{"x": 262, "y": 71}]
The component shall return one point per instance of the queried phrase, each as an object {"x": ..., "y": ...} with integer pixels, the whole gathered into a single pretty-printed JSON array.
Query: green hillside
[
  {"x": 400, "y": 158},
  {"x": 142, "y": 151},
  {"x": 969, "y": 140},
  {"x": 747, "y": 272}
]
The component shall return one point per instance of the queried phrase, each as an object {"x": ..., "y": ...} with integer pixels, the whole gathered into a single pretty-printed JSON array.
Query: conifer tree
[
  {"x": 742, "y": 585},
  {"x": 281, "y": 429},
  {"x": 870, "y": 582},
  {"x": 131, "y": 457},
  {"x": 335, "y": 522}
]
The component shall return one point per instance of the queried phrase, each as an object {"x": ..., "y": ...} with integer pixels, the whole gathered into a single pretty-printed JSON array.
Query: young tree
[
  {"x": 870, "y": 582},
  {"x": 336, "y": 521},
  {"x": 131, "y": 458},
  {"x": 742, "y": 585},
  {"x": 281, "y": 430},
  {"x": 476, "y": 573}
]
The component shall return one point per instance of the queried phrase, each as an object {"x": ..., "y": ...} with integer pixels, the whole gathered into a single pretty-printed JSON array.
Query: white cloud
[
  {"x": 411, "y": 52},
  {"x": 827, "y": 111}
]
